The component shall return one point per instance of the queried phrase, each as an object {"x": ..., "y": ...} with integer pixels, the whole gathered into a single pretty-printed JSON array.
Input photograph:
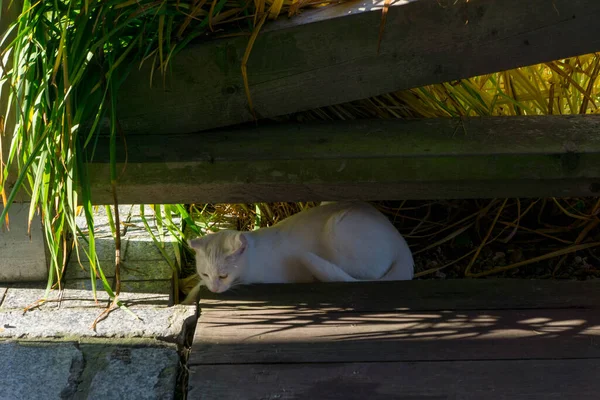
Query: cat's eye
[
  {"x": 206, "y": 275},
  {"x": 223, "y": 276}
]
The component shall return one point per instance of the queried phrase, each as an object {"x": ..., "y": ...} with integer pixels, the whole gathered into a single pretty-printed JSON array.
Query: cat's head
[{"x": 220, "y": 258}]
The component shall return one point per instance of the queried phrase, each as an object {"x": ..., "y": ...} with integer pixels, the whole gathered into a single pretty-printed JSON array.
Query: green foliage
[{"x": 63, "y": 64}]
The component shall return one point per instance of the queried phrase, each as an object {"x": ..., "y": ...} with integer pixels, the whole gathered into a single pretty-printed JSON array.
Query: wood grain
[
  {"x": 457, "y": 339},
  {"x": 323, "y": 337},
  {"x": 369, "y": 160},
  {"x": 418, "y": 295},
  {"x": 457, "y": 380},
  {"x": 330, "y": 57}
]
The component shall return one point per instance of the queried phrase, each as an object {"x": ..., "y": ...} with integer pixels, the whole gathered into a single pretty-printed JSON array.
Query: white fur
[{"x": 346, "y": 241}]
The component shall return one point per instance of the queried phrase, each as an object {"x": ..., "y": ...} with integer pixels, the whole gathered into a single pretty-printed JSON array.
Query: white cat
[{"x": 345, "y": 241}]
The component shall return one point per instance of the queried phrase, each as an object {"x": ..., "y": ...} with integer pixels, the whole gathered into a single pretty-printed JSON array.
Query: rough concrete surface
[
  {"x": 160, "y": 291},
  {"x": 135, "y": 373},
  {"x": 32, "y": 372},
  {"x": 48, "y": 371},
  {"x": 26, "y": 295},
  {"x": 140, "y": 256},
  {"x": 131, "y": 269},
  {"x": 165, "y": 323},
  {"x": 52, "y": 352},
  {"x": 78, "y": 294}
]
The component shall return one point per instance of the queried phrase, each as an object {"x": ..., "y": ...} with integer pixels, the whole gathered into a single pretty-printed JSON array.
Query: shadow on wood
[{"x": 401, "y": 339}]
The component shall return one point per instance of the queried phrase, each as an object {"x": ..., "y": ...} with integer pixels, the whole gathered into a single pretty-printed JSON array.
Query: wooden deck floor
[{"x": 467, "y": 339}]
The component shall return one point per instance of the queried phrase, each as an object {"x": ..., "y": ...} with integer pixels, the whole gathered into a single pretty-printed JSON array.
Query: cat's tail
[{"x": 401, "y": 270}]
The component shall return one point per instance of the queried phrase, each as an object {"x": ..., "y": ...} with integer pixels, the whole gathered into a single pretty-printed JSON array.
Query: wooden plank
[
  {"x": 462, "y": 380},
  {"x": 417, "y": 295},
  {"x": 330, "y": 57},
  {"x": 370, "y": 160},
  {"x": 318, "y": 336}
]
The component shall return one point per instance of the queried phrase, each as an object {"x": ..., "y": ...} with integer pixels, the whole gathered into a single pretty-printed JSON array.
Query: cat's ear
[
  {"x": 241, "y": 247},
  {"x": 195, "y": 243}
]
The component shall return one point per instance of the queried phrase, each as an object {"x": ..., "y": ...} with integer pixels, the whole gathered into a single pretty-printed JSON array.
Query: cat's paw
[{"x": 192, "y": 297}]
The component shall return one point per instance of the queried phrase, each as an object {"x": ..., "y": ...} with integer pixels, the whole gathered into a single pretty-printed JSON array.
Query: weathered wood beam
[
  {"x": 528, "y": 379},
  {"x": 329, "y": 56},
  {"x": 371, "y": 160},
  {"x": 416, "y": 295}
]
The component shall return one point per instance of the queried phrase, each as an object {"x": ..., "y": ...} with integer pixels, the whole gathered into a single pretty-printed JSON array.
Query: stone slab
[
  {"x": 40, "y": 371},
  {"x": 26, "y": 295},
  {"x": 142, "y": 259},
  {"x": 130, "y": 270},
  {"x": 142, "y": 248},
  {"x": 55, "y": 370},
  {"x": 105, "y": 249},
  {"x": 159, "y": 323},
  {"x": 19, "y": 298},
  {"x": 131, "y": 220},
  {"x": 143, "y": 290},
  {"x": 22, "y": 258},
  {"x": 101, "y": 221},
  {"x": 78, "y": 294},
  {"x": 73, "y": 298},
  {"x": 140, "y": 373}
]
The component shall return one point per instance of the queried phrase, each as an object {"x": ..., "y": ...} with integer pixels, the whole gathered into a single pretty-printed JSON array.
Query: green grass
[{"x": 64, "y": 62}]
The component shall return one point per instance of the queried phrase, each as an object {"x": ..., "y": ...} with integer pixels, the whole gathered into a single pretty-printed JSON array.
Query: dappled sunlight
[
  {"x": 592, "y": 330},
  {"x": 535, "y": 321},
  {"x": 375, "y": 5},
  {"x": 399, "y": 322},
  {"x": 78, "y": 294},
  {"x": 296, "y": 325},
  {"x": 565, "y": 323},
  {"x": 548, "y": 326},
  {"x": 272, "y": 315}
]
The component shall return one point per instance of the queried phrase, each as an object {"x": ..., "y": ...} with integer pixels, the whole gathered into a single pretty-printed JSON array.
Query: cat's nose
[{"x": 220, "y": 289}]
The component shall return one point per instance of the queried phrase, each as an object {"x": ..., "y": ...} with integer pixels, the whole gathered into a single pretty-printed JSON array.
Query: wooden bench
[
  {"x": 369, "y": 160},
  {"x": 461, "y": 339},
  {"x": 327, "y": 57},
  {"x": 315, "y": 60},
  {"x": 406, "y": 340}
]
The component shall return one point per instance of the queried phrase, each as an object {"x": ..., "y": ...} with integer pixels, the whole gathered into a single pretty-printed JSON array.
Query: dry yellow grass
[{"x": 476, "y": 238}]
